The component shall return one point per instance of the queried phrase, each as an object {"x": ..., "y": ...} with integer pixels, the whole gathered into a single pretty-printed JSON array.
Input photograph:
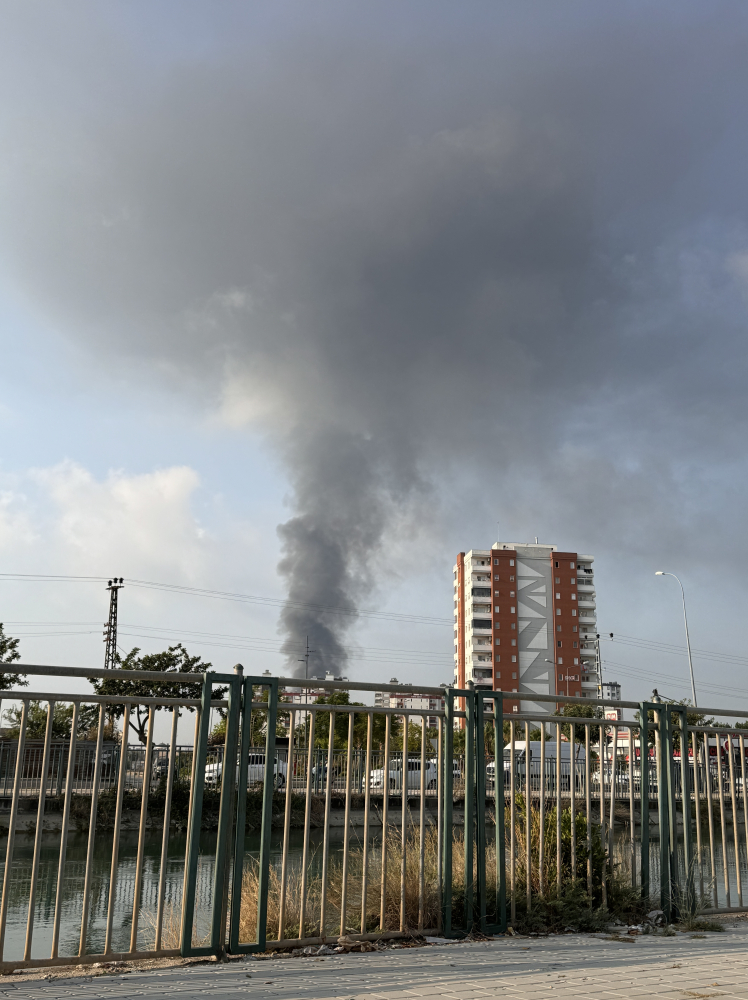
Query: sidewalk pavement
[{"x": 569, "y": 966}]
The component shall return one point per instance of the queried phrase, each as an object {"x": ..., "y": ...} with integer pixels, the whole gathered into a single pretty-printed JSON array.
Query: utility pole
[
  {"x": 110, "y": 630},
  {"x": 305, "y": 659},
  {"x": 598, "y": 666},
  {"x": 688, "y": 641}
]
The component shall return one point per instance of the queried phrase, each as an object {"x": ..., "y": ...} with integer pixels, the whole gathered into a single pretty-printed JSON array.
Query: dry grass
[
  {"x": 292, "y": 919},
  {"x": 554, "y": 909},
  {"x": 171, "y": 929}
]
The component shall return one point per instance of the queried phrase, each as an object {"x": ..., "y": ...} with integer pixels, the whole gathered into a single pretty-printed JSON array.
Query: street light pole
[{"x": 685, "y": 622}]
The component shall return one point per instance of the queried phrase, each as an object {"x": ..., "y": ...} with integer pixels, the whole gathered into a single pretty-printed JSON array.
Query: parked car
[
  {"x": 414, "y": 775},
  {"x": 161, "y": 765},
  {"x": 255, "y": 771}
]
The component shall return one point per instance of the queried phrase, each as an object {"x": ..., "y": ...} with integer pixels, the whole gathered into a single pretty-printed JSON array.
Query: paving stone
[{"x": 570, "y": 966}]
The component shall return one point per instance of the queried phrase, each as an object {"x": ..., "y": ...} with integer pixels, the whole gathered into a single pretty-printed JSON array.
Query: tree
[
  {"x": 36, "y": 721},
  {"x": 693, "y": 718},
  {"x": 360, "y": 726},
  {"x": 258, "y": 722},
  {"x": 9, "y": 654},
  {"x": 577, "y": 712},
  {"x": 174, "y": 660},
  {"x": 414, "y": 738}
]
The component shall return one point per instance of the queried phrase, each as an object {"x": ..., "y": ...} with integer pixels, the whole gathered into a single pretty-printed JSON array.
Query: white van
[
  {"x": 255, "y": 770},
  {"x": 414, "y": 775},
  {"x": 520, "y": 760}
]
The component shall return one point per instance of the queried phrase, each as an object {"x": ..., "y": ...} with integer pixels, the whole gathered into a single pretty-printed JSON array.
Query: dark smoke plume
[{"x": 412, "y": 249}]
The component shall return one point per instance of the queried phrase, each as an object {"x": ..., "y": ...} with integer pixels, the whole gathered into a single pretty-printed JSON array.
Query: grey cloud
[{"x": 413, "y": 254}]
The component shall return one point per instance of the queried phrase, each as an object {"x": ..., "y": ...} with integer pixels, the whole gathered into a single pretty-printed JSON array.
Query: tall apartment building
[
  {"x": 522, "y": 615},
  {"x": 416, "y": 700}
]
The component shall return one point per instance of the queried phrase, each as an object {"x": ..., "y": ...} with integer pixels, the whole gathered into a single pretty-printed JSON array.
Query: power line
[
  {"x": 664, "y": 647},
  {"x": 646, "y": 673},
  {"x": 227, "y": 635},
  {"x": 230, "y": 596},
  {"x": 371, "y": 653}
]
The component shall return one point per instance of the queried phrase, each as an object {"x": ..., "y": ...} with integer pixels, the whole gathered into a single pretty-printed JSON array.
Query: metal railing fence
[
  {"x": 323, "y": 835},
  {"x": 85, "y": 764},
  {"x": 53, "y": 770}
]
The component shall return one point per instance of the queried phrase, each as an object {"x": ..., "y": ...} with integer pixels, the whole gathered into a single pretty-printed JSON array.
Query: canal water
[
  {"x": 74, "y": 876},
  {"x": 713, "y": 888}
]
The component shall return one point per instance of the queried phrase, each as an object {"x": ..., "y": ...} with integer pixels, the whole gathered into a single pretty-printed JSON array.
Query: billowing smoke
[{"x": 476, "y": 250}]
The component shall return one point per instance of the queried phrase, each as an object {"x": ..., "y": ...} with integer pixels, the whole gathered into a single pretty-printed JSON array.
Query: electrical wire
[
  {"x": 664, "y": 647},
  {"x": 646, "y": 674},
  {"x": 370, "y": 654},
  {"x": 230, "y": 596}
]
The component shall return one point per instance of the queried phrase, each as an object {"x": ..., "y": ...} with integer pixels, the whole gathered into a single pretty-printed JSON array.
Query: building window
[
  {"x": 575, "y": 644},
  {"x": 558, "y": 628},
  {"x": 573, "y": 597},
  {"x": 516, "y": 707},
  {"x": 511, "y": 579},
  {"x": 498, "y": 659},
  {"x": 496, "y": 563},
  {"x": 573, "y": 628},
  {"x": 574, "y": 612},
  {"x": 514, "y": 676},
  {"x": 558, "y": 578},
  {"x": 556, "y": 565},
  {"x": 560, "y": 660},
  {"x": 559, "y": 643},
  {"x": 512, "y": 611},
  {"x": 571, "y": 565},
  {"x": 514, "y": 659},
  {"x": 558, "y": 598},
  {"x": 573, "y": 582},
  {"x": 558, "y": 610},
  {"x": 496, "y": 579},
  {"x": 514, "y": 642},
  {"x": 511, "y": 562},
  {"x": 576, "y": 661},
  {"x": 513, "y": 625},
  {"x": 498, "y": 672},
  {"x": 498, "y": 641},
  {"x": 560, "y": 677},
  {"x": 496, "y": 610},
  {"x": 497, "y": 625}
]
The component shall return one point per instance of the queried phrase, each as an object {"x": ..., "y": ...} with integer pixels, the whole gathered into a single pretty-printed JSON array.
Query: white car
[
  {"x": 414, "y": 775},
  {"x": 255, "y": 771}
]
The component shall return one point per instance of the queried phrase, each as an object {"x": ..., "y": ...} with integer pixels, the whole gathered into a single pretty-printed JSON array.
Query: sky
[{"x": 298, "y": 301}]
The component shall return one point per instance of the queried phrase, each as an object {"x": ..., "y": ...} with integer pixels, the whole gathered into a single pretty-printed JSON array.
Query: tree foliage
[
  {"x": 577, "y": 712},
  {"x": 693, "y": 718},
  {"x": 36, "y": 721},
  {"x": 174, "y": 660},
  {"x": 340, "y": 736},
  {"x": 258, "y": 722},
  {"x": 9, "y": 654}
]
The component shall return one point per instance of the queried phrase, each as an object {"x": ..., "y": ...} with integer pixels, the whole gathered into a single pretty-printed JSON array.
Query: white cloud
[{"x": 74, "y": 523}]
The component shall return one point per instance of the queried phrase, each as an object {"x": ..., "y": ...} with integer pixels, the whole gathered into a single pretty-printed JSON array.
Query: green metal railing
[{"x": 481, "y": 843}]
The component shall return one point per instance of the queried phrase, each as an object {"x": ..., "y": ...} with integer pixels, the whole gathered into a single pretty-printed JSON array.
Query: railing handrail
[{"x": 50, "y": 670}]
